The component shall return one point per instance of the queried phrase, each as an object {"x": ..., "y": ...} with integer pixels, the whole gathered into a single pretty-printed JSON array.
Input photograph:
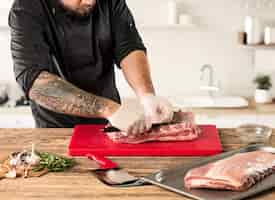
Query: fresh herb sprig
[
  {"x": 263, "y": 82},
  {"x": 53, "y": 163}
]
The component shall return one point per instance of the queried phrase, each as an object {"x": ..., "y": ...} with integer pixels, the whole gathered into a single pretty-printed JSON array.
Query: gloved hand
[
  {"x": 130, "y": 120},
  {"x": 158, "y": 109}
]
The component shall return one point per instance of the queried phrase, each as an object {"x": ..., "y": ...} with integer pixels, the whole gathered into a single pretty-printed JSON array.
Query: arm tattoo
[{"x": 61, "y": 96}]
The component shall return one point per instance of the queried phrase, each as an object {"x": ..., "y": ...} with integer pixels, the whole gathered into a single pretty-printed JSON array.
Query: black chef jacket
[{"x": 85, "y": 49}]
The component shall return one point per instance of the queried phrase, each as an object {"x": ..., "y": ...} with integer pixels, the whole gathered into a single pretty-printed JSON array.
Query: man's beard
[{"x": 80, "y": 13}]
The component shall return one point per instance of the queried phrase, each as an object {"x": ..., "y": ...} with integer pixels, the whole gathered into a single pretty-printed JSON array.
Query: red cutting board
[{"x": 89, "y": 139}]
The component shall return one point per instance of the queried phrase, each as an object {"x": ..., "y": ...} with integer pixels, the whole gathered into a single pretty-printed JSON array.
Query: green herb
[
  {"x": 263, "y": 82},
  {"x": 53, "y": 163}
]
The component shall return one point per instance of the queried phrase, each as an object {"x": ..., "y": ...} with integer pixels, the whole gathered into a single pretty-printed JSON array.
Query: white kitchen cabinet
[
  {"x": 17, "y": 121},
  {"x": 16, "y": 118}
]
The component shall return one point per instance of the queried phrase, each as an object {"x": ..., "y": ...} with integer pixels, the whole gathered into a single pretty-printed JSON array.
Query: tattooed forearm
[{"x": 60, "y": 96}]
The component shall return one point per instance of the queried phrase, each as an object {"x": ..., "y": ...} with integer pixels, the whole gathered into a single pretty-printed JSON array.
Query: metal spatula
[{"x": 111, "y": 174}]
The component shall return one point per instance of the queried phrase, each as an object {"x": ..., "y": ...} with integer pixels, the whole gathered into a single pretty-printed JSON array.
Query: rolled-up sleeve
[
  {"x": 30, "y": 52},
  {"x": 125, "y": 34}
]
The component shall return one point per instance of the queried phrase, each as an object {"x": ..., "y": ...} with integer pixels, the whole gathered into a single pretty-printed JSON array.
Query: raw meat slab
[
  {"x": 172, "y": 179},
  {"x": 236, "y": 173}
]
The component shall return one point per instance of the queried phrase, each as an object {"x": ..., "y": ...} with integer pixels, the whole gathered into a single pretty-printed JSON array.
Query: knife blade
[{"x": 114, "y": 129}]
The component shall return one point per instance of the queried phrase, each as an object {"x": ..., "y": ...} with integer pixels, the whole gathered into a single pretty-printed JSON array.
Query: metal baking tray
[{"x": 173, "y": 179}]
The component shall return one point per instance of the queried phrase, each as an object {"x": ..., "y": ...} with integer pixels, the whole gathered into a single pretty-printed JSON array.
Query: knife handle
[{"x": 103, "y": 162}]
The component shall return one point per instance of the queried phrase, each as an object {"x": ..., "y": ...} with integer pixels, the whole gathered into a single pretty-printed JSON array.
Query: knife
[{"x": 114, "y": 129}]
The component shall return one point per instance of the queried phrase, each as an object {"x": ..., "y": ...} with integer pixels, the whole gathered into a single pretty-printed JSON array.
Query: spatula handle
[{"x": 103, "y": 162}]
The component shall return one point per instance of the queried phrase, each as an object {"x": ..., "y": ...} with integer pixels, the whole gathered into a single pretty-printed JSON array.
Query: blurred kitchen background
[{"x": 181, "y": 37}]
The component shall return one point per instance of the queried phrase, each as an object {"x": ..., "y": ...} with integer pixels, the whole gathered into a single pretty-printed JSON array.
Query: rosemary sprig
[{"x": 53, "y": 162}]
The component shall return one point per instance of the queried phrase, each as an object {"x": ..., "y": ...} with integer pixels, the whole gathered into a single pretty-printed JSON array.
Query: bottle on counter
[
  {"x": 254, "y": 30},
  {"x": 269, "y": 37},
  {"x": 172, "y": 12}
]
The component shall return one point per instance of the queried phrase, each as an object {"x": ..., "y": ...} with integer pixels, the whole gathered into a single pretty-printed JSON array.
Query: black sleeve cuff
[
  {"x": 27, "y": 78},
  {"x": 124, "y": 53}
]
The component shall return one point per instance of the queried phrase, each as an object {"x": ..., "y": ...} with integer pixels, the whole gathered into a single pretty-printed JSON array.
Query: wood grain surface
[{"x": 79, "y": 183}]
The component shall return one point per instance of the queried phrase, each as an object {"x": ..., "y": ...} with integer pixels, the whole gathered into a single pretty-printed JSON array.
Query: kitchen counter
[
  {"x": 252, "y": 108},
  {"x": 231, "y": 117},
  {"x": 78, "y": 183}
]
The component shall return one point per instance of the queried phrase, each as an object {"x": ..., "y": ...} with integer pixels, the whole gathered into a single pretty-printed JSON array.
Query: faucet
[{"x": 210, "y": 87}]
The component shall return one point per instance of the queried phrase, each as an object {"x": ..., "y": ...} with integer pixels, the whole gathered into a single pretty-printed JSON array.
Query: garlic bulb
[{"x": 22, "y": 162}]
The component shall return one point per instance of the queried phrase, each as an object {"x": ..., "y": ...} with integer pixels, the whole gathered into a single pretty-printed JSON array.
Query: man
[{"x": 64, "y": 53}]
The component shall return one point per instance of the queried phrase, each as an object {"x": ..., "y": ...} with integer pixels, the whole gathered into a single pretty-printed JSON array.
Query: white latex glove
[
  {"x": 130, "y": 120},
  {"x": 158, "y": 109}
]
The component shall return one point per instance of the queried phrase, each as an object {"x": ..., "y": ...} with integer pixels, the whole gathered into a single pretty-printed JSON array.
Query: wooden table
[{"x": 79, "y": 183}]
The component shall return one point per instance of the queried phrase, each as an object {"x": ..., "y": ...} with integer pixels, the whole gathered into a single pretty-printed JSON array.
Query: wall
[
  {"x": 6, "y": 73},
  {"x": 265, "y": 64},
  {"x": 176, "y": 55}
]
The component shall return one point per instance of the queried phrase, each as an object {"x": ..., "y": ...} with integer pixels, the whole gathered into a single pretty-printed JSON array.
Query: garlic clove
[
  {"x": 34, "y": 159},
  {"x": 11, "y": 173},
  {"x": 13, "y": 162}
]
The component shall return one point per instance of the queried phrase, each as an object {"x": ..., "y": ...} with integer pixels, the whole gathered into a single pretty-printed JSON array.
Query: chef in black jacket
[{"x": 64, "y": 52}]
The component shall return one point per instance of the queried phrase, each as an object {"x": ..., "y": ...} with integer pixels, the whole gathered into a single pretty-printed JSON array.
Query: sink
[{"x": 210, "y": 102}]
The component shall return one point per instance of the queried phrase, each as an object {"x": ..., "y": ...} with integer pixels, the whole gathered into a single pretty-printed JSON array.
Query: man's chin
[
  {"x": 83, "y": 14},
  {"x": 79, "y": 13}
]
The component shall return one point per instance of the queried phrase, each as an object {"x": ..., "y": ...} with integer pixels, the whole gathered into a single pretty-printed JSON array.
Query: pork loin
[
  {"x": 237, "y": 173},
  {"x": 183, "y": 129}
]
